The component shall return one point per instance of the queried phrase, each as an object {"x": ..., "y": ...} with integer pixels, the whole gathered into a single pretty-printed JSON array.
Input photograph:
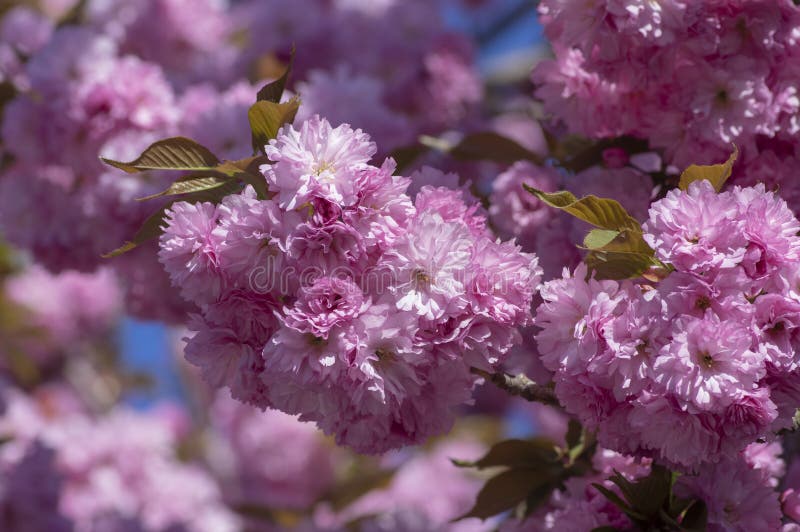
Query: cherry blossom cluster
[
  {"x": 740, "y": 493},
  {"x": 431, "y": 85},
  {"x": 211, "y": 41},
  {"x": 256, "y": 467},
  {"x": 59, "y": 314},
  {"x": 426, "y": 493},
  {"x": 82, "y": 97},
  {"x": 132, "y": 72},
  {"x": 708, "y": 354},
  {"x": 247, "y": 451},
  {"x": 64, "y": 470},
  {"x": 690, "y": 77},
  {"x": 339, "y": 295},
  {"x": 84, "y": 100},
  {"x": 340, "y": 298}
]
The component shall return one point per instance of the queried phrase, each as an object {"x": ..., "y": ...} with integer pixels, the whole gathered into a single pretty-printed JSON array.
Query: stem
[{"x": 520, "y": 386}]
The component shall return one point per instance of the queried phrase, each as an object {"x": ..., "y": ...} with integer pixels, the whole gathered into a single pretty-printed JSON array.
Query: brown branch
[{"x": 520, "y": 386}]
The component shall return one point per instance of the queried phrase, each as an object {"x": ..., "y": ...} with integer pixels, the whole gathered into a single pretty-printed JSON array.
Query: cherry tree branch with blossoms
[
  {"x": 519, "y": 386},
  {"x": 393, "y": 251}
]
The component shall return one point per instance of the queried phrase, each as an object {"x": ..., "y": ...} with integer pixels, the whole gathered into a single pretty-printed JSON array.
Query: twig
[{"x": 520, "y": 386}]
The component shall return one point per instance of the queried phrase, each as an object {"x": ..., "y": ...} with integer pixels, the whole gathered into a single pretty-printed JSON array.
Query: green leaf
[
  {"x": 679, "y": 506},
  {"x": 648, "y": 494},
  {"x": 249, "y": 164},
  {"x": 578, "y": 153},
  {"x": 505, "y": 491},
  {"x": 177, "y": 153},
  {"x": 266, "y": 118},
  {"x": 574, "y": 433},
  {"x": 628, "y": 241},
  {"x": 599, "y": 238},
  {"x": 151, "y": 228},
  {"x": 618, "y": 265},
  {"x": 625, "y": 486},
  {"x": 617, "y": 246},
  {"x": 696, "y": 517},
  {"x": 537, "y": 497},
  {"x": 580, "y": 442},
  {"x": 247, "y": 171},
  {"x": 406, "y": 155},
  {"x": 644, "y": 500},
  {"x": 618, "y": 502},
  {"x": 624, "y": 256},
  {"x": 599, "y": 212},
  {"x": 180, "y": 153},
  {"x": 490, "y": 146},
  {"x": 716, "y": 174},
  {"x": 627, "y": 255},
  {"x": 272, "y": 92},
  {"x": 668, "y": 520},
  {"x": 618, "y": 249},
  {"x": 536, "y": 453},
  {"x": 188, "y": 185},
  {"x": 213, "y": 195}
]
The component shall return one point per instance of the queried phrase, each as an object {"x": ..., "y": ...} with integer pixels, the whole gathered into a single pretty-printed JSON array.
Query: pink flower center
[
  {"x": 421, "y": 278},
  {"x": 705, "y": 359}
]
